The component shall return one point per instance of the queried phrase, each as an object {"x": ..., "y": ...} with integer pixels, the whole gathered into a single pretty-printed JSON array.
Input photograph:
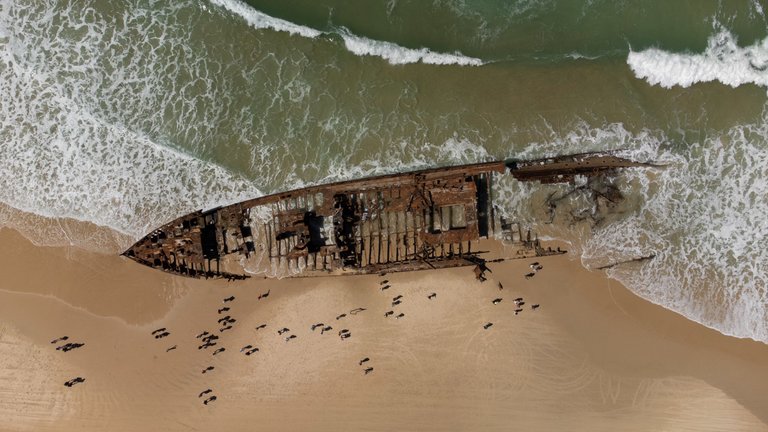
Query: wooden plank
[
  {"x": 403, "y": 243},
  {"x": 369, "y": 222},
  {"x": 364, "y": 231},
  {"x": 392, "y": 237},
  {"x": 385, "y": 236},
  {"x": 269, "y": 240},
  {"x": 379, "y": 216}
]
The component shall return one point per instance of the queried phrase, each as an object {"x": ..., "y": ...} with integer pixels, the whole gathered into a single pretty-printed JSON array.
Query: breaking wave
[
  {"x": 358, "y": 45},
  {"x": 702, "y": 216},
  {"x": 261, "y": 20},
  {"x": 396, "y": 55},
  {"x": 723, "y": 60}
]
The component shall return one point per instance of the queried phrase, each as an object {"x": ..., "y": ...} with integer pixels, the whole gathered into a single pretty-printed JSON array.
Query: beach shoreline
[{"x": 593, "y": 355}]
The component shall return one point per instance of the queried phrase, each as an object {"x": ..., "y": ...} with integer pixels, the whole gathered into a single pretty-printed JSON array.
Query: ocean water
[{"x": 127, "y": 113}]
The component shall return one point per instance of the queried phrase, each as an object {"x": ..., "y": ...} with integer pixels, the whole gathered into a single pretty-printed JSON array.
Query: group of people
[
  {"x": 209, "y": 340},
  {"x": 209, "y": 399},
  {"x": 226, "y": 322},
  {"x": 519, "y": 302},
  {"x": 68, "y": 347},
  {"x": 160, "y": 333}
]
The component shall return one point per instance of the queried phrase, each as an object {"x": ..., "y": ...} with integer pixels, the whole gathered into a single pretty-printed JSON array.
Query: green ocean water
[
  {"x": 536, "y": 31},
  {"x": 129, "y": 113}
]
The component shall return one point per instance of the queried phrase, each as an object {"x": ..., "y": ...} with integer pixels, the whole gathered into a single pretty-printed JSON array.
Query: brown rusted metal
[{"x": 399, "y": 222}]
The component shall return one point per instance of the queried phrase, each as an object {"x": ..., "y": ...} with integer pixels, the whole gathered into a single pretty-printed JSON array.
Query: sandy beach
[{"x": 593, "y": 357}]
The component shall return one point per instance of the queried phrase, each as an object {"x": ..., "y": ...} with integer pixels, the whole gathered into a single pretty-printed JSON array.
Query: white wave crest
[
  {"x": 261, "y": 20},
  {"x": 723, "y": 60},
  {"x": 394, "y": 54}
]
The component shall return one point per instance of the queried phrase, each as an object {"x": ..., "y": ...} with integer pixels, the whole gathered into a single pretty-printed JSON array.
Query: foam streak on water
[
  {"x": 723, "y": 60},
  {"x": 392, "y": 53}
]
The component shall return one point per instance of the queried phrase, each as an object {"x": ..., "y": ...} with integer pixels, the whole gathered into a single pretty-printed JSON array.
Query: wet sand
[{"x": 593, "y": 357}]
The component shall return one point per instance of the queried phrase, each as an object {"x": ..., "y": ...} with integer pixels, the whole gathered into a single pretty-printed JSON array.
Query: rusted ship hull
[{"x": 400, "y": 222}]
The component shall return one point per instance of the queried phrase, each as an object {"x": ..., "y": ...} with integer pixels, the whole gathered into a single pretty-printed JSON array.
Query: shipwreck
[{"x": 418, "y": 220}]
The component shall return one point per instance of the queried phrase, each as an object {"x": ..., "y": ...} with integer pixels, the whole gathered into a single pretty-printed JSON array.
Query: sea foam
[
  {"x": 394, "y": 54},
  {"x": 701, "y": 214},
  {"x": 65, "y": 155},
  {"x": 723, "y": 60}
]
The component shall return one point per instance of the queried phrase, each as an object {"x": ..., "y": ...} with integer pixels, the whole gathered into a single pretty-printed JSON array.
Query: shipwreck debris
[
  {"x": 400, "y": 222},
  {"x": 633, "y": 260}
]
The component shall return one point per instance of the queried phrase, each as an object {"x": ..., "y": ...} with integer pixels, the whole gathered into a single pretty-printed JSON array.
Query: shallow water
[{"x": 128, "y": 113}]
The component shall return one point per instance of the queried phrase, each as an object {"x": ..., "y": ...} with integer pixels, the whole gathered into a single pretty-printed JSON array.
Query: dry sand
[{"x": 594, "y": 357}]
